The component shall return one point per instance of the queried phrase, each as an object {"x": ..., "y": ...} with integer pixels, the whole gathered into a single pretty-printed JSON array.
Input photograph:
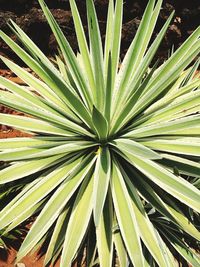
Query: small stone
[{"x": 20, "y": 265}]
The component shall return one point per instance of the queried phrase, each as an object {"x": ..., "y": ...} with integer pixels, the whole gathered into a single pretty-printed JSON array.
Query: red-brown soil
[
  {"x": 7, "y": 259},
  {"x": 10, "y": 75}
]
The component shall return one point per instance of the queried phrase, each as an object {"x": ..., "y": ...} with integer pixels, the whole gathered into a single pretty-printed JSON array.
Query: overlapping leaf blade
[
  {"x": 97, "y": 54},
  {"x": 101, "y": 181},
  {"x": 126, "y": 218},
  {"x": 54, "y": 207},
  {"x": 176, "y": 186},
  {"x": 104, "y": 234},
  {"x": 77, "y": 228}
]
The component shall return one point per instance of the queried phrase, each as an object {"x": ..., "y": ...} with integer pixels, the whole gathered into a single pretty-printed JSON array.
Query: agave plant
[{"x": 111, "y": 163}]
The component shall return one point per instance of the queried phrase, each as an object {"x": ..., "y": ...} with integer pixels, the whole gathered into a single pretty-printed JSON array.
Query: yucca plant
[{"x": 112, "y": 166}]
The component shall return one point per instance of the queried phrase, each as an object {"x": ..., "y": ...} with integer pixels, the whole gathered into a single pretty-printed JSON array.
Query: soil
[{"x": 7, "y": 259}]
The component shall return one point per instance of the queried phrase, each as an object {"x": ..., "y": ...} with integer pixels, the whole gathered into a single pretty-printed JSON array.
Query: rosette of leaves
[{"x": 110, "y": 166}]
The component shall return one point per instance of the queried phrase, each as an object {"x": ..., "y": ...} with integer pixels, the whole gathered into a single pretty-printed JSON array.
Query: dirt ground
[{"x": 7, "y": 259}]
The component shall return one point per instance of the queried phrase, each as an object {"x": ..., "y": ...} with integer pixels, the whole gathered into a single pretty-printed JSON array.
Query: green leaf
[
  {"x": 108, "y": 38},
  {"x": 33, "y": 153},
  {"x": 116, "y": 42},
  {"x": 138, "y": 75},
  {"x": 46, "y": 185},
  {"x": 30, "y": 124},
  {"x": 96, "y": 54},
  {"x": 169, "y": 98},
  {"x": 57, "y": 238},
  {"x": 48, "y": 101},
  {"x": 22, "y": 169},
  {"x": 191, "y": 73},
  {"x": 104, "y": 234},
  {"x": 77, "y": 228},
  {"x": 13, "y": 101},
  {"x": 180, "y": 146},
  {"x": 181, "y": 107},
  {"x": 27, "y": 95},
  {"x": 100, "y": 124},
  {"x": 176, "y": 186},
  {"x": 182, "y": 248},
  {"x": 34, "y": 142},
  {"x": 136, "y": 50},
  {"x": 55, "y": 206},
  {"x": 120, "y": 248},
  {"x": 83, "y": 46},
  {"x": 169, "y": 72},
  {"x": 181, "y": 219},
  {"x": 24, "y": 216},
  {"x": 135, "y": 148},
  {"x": 185, "y": 166},
  {"x": 108, "y": 98},
  {"x": 166, "y": 76},
  {"x": 58, "y": 85},
  {"x": 188, "y": 126},
  {"x": 146, "y": 228},
  {"x": 68, "y": 55},
  {"x": 169, "y": 210},
  {"x": 128, "y": 224},
  {"x": 30, "y": 45},
  {"x": 101, "y": 181},
  {"x": 62, "y": 68}
]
